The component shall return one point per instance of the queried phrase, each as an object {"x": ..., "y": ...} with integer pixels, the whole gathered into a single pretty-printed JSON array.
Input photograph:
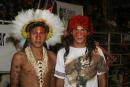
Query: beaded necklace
[{"x": 39, "y": 66}]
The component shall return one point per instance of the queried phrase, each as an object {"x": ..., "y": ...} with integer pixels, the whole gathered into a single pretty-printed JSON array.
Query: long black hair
[{"x": 68, "y": 40}]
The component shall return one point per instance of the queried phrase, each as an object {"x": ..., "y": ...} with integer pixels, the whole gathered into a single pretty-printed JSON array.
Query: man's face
[
  {"x": 79, "y": 35},
  {"x": 38, "y": 36}
]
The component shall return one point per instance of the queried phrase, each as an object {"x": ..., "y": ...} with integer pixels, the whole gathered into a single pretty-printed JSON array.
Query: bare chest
[{"x": 27, "y": 68}]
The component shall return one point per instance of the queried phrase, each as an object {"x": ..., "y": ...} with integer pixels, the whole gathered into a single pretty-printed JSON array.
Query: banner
[
  {"x": 66, "y": 10},
  {"x": 6, "y": 49}
]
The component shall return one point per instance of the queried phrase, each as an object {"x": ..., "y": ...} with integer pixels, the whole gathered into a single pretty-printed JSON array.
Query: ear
[
  {"x": 28, "y": 39},
  {"x": 28, "y": 36},
  {"x": 46, "y": 36},
  {"x": 71, "y": 33},
  {"x": 88, "y": 32}
]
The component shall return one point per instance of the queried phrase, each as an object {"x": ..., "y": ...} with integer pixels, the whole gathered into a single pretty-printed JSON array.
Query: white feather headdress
[{"x": 56, "y": 27}]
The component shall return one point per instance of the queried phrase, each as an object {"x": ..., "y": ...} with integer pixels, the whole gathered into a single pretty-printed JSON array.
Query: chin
[
  {"x": 38, "y": 45},
  {"x": 80, "y": 41}
]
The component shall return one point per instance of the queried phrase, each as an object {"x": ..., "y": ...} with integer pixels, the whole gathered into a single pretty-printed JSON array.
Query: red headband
[{"x": 79, "y": 21}]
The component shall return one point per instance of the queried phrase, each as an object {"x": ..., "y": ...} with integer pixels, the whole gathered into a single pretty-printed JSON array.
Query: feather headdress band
[{"x": 56, "y": 27}]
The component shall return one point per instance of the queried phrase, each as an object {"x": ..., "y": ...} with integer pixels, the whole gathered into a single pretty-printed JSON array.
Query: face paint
[
  {"x": 79, "y": 34},
  {"x": 84, "y": 34},
  {"x": 38, "y": 32},
  {"x": 38, "y": 36},
  {"x": 75, "y": 34}
]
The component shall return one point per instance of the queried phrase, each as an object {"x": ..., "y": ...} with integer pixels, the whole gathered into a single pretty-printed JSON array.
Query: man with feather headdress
[{"x": 32, "y": 65}]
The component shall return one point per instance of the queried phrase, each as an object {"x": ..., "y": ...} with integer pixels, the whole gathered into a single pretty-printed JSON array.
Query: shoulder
[
  {"x": 61, "y": 51},
  {"x": 60, "y": 55},
  {"x": 98, "y": 51},
  {"x": 52, "y": 56},
  {"x": 18, "y": 56}
]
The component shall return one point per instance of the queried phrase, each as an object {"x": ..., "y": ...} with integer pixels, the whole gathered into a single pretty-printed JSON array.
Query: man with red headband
[{"x": 80, "y": 63}]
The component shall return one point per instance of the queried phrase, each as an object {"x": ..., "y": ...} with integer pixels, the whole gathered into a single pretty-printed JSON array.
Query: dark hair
[
  {"x": 89, "y": 45},
  {"x": 33, "y": 25},
  {"x": 36, "y": 24}
]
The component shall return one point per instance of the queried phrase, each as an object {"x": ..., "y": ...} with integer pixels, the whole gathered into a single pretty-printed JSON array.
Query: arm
[
  {"x": 52, "y": 57},
  {"x": 102, "y": 69},
  {"x": 110, "y": 58},
  {"x": 15, "y": 70},
  {"x": 59, "y": 82},
  {"x": 102, "y": 80},
  {"x": 53, "y": 81},
  {"x": 60, "y": 69}
]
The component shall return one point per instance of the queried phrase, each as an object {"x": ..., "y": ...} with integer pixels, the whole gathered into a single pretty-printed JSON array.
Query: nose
[
  {"x": 38, "y": 37},
  {"x": 79, "y": 33}
]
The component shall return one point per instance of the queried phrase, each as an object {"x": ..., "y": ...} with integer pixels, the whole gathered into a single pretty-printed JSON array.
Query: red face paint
[
  {"x": 84, "y": 34},
  {"x": 38, "y": 32},
  {"x": 80, "y": 31},
  {"x": 75, "y": 34},
  {"x": 79, "y": 34},
  {"x": 38, "y": 36}
]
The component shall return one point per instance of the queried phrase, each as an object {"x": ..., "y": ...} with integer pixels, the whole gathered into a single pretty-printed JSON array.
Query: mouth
[
  {"x": 38, "y": 42},
  {"x": 79, "y": 38}
]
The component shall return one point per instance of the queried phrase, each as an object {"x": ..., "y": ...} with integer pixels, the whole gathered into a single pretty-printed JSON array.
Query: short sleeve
[
  {"x": 59, "y": 68},
  {"x": 102, "y": 66},
  {"x": 101, "y": 53}
]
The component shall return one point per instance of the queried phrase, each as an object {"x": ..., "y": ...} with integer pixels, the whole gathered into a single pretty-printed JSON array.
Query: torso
[
  {"x": 28, "y": 76},
  {"x": 72, "y": 60},
  {"x": 86, "y": 71}
]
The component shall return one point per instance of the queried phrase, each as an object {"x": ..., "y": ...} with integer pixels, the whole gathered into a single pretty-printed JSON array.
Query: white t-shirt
[{"x": 73, "y": 54}]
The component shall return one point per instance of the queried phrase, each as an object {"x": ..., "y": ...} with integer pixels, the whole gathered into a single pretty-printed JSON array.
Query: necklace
[{"x": 39, "y": 66}]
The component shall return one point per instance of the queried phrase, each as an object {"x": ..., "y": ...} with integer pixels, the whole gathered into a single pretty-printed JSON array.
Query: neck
[
  {"x": 79, "y": 45},
  {"x": 37, "y": 52}
]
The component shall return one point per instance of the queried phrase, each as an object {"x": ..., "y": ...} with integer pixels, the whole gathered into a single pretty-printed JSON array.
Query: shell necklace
[{"x": 39, "y": 66}]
